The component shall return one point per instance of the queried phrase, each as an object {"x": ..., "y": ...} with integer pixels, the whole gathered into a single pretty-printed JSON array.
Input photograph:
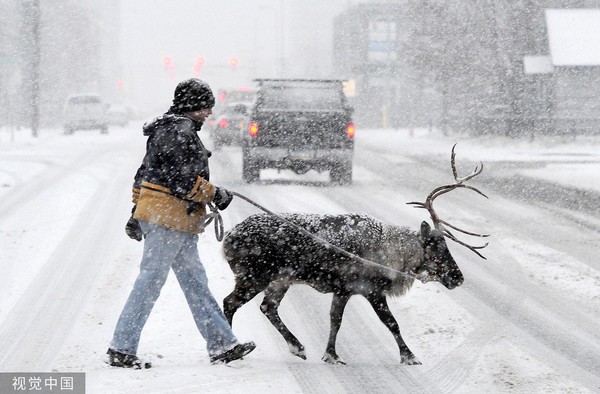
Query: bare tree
[{"x": 32, "y": 26}]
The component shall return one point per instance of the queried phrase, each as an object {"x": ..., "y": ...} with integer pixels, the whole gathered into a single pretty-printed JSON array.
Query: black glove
[
  {"x": 222, "y": 198},
  {"x": 133, "y": 229}
]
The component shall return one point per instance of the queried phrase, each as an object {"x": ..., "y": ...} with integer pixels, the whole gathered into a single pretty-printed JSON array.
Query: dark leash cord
[
  {"x": 218, "y": 224},
  {"x": 216, "y": 216}
]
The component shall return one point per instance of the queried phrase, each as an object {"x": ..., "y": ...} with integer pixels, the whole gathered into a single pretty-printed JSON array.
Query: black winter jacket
[
  {"x": 175, "y": 155},
  {"x": 175, "y": 159}
]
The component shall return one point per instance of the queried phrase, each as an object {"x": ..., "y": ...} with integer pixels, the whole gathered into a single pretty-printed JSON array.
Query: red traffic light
[
  {"x": 253, "y": 129},
  {"x": 233, "y": 63},
  {"x": 169, "y": 66},
  {"x": 198, "y": 65}
]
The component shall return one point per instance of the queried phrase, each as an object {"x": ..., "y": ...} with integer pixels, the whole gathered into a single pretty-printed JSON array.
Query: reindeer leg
[
  {"x": 242, "y": 293},
  {"x": 274, "y": 293},
  {"x": 338, "y": 303},
  {"x": 379, "y": 303}
]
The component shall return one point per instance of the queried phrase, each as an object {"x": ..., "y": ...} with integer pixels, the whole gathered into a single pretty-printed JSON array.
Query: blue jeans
[{"x": 165, "y": 249}]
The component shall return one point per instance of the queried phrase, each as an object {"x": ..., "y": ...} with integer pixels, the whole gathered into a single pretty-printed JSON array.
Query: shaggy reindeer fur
[{"x": 267, "y": 254}]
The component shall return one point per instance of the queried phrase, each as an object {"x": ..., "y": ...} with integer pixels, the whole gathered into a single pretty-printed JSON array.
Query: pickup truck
[{"x": 301, "y": 125}]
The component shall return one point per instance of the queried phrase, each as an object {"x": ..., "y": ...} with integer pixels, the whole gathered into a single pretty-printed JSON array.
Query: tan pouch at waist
[{"x": 157, "y": 205}]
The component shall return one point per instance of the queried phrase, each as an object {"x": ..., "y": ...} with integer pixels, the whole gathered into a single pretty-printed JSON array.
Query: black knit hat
[{"x": 192, "y": 95}]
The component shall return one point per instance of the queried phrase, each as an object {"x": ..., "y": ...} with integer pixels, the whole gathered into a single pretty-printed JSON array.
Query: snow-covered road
[{"x": 527, "y": 320}]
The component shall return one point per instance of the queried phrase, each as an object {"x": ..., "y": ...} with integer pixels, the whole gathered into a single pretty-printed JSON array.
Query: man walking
[{"x": 170, "y": 192}]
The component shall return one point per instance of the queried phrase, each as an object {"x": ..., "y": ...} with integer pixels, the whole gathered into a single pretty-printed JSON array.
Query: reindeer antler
[{"x": 442, "y": 224}]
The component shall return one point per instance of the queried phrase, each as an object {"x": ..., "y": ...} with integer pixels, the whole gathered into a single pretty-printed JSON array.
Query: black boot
[
  {"x": 122, "y": 360},
  {"x": 236, "y": 353}
]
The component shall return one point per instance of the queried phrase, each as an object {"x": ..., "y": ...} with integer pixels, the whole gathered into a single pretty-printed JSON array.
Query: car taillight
[
  {"x": 223, "y": 123},
  {"x": 253, "y": 129},
  {"x": 350, "y": 130}
]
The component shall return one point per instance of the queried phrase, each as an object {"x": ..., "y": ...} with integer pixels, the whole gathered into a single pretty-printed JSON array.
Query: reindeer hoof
[
  {"x": 409, "y": 360},
  {"x": 298, "y": 352},
  {"x": 333, "y": 359}
]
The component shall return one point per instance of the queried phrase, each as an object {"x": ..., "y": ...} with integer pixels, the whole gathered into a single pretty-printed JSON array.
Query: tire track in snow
[
  {"x": 356, "y": 376},
  {"x": 571, "y": 346},
  {"x": 16, "y": 175},
  {"x": 456, "y": 366},
  {"x": 37, "y": 326},
  {"x": 384, "y": 349},
  {"x": 57, "y": 170}
]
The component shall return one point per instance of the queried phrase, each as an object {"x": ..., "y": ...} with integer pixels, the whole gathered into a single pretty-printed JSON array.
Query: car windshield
[
  {"x": 236, "y": 108},
  {"x": 318, "y": 97}
]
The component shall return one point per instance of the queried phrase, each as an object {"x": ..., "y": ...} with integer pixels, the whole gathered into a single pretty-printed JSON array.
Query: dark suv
[
  {"x": 229, "y": 125},
  {"x": 299, "y": 124}
]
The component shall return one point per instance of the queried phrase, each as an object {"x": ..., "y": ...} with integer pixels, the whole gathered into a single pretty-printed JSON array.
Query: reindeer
[{"x": 349, "y": 254}]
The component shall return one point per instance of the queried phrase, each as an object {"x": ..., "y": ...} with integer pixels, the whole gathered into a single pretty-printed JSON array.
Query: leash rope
[
  {"x": 216, "y": 216},
  {"x": 323, "y": 242}
]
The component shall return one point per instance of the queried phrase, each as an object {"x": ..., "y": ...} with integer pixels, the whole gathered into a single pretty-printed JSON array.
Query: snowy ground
[{"x": 527, "y": 320}]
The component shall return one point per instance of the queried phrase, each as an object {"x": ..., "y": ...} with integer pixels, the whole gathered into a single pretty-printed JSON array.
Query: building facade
[{"x": 462, "y": 66}]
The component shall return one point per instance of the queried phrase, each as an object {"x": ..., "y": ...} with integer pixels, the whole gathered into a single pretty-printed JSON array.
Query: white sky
[
  {"x": 574, "y": 36},
  {"x": 256, "y": 32}
]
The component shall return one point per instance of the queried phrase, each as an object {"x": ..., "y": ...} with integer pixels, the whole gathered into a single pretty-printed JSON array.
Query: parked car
[
  {"x": 234, "y": 95},
  {"x": 84, "y": 112},
  {"x": 299, "y": 124},
  {"x": 228, "y": 126}
]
